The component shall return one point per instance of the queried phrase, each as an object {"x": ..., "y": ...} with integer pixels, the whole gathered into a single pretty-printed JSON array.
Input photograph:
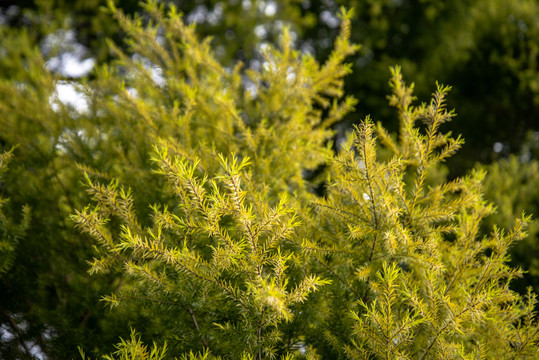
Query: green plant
[
  {"x": 223, "y": 224},
  {"x": 10, "y": 232},
  {"x": 237, "y": 253}
]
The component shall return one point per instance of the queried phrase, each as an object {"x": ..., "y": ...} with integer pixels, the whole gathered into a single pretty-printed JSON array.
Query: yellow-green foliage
[
  {"x": 234, "y": 256},
  {"x": 428, "y": 285},
  {"x": 281, "y": 121},
  {"x": 216, "y": 249},
  {"x": 134, "y": 349},
  {"x": 199, "y": 109},
  {"x": 216, "y": 242}
]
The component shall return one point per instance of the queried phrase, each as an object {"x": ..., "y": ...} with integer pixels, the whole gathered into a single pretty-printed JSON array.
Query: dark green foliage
[
  {"x": 10, "y": 232},
  {"x": 487, "y": 50},
  {"x": 48, "y": 299},
  {"x": 511, "y": 185}
]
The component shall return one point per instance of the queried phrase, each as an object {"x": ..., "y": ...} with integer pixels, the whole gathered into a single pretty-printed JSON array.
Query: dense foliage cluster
[{"x": 212, "y": 207}]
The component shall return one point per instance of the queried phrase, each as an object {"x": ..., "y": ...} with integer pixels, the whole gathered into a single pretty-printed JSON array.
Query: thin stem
[
  {"x": 444, "y": 328},
  {"x": 259, "y": 335},
  {"x": 337, "y": 276},
  {"x": 191, "y": 312},
  {"x": 18, "y": 331},
  {"x": 204, "y": 343},
  {"x": 371, "y": 194}
]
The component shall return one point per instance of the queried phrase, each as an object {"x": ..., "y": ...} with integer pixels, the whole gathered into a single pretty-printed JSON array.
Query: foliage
[
  {"x": 48, "y": 300},
  {"x": 511, "y": 185},
  {"x": 10, "y": 232},
  {"x": 427, "y": 285},
  {"x": 222, "y": 223},
  {"x": 48, "y": 295},
  {"x": 133, "y": 349},
  {"x": 282, "y": 131},
  {"x": 487, "y": 50},
  {"x": 216, "y": 252},
  {"x": 405, "y": 258}
]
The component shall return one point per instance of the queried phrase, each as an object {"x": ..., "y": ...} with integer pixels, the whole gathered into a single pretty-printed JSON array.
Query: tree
[
  {"x": 486, "y": 50},
  {"x": 49, "y": 303},
  {"x": 395, "y": 260},
  {"x": 204, "y": 223},
  {"x": 48, "y": 293}
]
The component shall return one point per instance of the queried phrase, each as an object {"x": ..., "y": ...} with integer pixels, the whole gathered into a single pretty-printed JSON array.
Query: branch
[
  {"x": 204, "y": 342},
  {"x": 18, "y": 331}
]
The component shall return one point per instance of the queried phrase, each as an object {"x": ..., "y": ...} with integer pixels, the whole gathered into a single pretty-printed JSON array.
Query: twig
[
  {"x": 18, "y": 331},
  {"x": 204, "y": 343}
]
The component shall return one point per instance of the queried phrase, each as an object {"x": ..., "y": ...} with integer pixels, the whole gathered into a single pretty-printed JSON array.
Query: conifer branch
[
  {"x": 337, "y": 276},
  {"x": 366, "y": 131},
  {"x": 440, "y": 331}
]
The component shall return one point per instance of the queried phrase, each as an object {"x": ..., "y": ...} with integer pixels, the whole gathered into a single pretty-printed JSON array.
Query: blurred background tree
[{"x": 487, "y": 50}]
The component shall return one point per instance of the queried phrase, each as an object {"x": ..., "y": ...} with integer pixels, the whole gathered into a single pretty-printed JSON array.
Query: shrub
[
  {"x": 223, "y": 224},
  {"x": 242, "y": 260}
]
